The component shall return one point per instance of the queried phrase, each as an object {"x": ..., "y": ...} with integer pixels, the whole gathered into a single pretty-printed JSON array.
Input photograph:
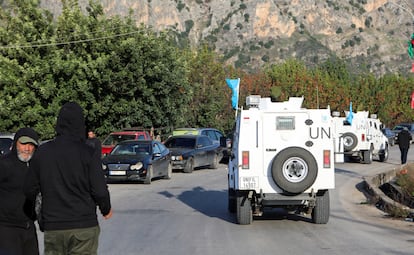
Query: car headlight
[
  {"x": 177, "y": 157},
  {"x": 137, "y": 166},
  {"x": 104, "y": 167}
]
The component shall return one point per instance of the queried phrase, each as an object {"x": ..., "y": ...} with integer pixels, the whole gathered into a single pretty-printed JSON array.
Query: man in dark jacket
[
  {"x": 72, "y": 184},
  {"x": 94, "y": 142},
  {"x": 17, "y": 230},
  {"x": 404, "y": 138}
]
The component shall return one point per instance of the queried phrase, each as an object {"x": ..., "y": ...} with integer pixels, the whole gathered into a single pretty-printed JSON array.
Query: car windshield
[
  {"x": 5, "y": 145},
  {"x": 398, "y": 128},
  {"x": 180, "y": 143},
  {"x": 387, "y": 132},
  {"x": 131, "y": 149},
  {"x": 405, "y": 125},
  {"x": 115, "y": 139}
]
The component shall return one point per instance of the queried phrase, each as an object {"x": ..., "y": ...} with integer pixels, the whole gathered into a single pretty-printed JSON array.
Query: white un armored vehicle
[
  {"x": 282, "y": 157},
  {"x": 359, "y": 137}
]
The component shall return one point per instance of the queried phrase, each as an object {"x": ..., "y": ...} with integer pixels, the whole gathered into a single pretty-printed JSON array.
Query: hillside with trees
[{"x": 250, "y": 34}]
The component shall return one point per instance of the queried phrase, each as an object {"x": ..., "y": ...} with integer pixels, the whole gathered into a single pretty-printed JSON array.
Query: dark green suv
[{"x": 216, "y": 135}]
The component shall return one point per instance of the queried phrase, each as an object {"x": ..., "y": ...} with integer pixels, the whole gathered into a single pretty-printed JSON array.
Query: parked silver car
[
  {"x": 392, "y": 137},
  {"x": 6, "y": 142}
]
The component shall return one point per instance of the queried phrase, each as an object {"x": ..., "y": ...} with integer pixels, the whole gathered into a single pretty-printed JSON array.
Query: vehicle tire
[
  {"x": 244, "y": 210},
  {"x": 232, "y": 203},
  {"x": 350, "y": 141},
  {"x": 294, "y": 170},
  {"x": 149, "y": 175},
  {"x": 189, "y": 167},
  {"x": 169, "y": 172},
  {"x": 215, "y": 163},
  {"x": 321, "y": 211},
  {"x": 383, "y": 156},
  {"x": 367, "y": 156}
]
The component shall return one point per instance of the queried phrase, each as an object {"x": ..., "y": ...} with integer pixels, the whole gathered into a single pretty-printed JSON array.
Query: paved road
[{"x": 188, "y": 215}]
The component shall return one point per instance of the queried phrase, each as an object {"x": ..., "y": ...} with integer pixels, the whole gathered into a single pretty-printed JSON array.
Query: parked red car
[{"x": 115, "y": 137}]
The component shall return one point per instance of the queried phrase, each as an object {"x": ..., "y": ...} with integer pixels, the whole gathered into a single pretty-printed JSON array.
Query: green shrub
[
  {"x": 265, "y": 58},
  {"x": 180, "y": 6},
  {"x": 405, "y": 179}
]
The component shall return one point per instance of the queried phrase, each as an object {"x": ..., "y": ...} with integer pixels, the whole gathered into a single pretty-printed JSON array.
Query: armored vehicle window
[{"x": 285, "y": 123}]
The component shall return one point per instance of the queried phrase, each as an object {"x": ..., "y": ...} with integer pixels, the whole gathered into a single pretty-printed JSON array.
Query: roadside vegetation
[
  {"x": 405, "y": 179},
  {"x": 125, "y": 75},
  {"x": 401, "y": 190}
]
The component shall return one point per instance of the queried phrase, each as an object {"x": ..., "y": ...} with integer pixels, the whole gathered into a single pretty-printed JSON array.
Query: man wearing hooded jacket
[
  {"x": 17, "y": 230},
  {"x": 404, "y": 139},
  {"x": 71, "y": 182}
]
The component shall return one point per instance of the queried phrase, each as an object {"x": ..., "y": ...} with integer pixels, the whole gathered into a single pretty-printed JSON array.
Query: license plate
[
  {"x": 249, "y": 182},
  {"x": 117, "y": 172}
]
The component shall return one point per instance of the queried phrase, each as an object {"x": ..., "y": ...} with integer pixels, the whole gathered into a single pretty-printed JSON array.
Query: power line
[{"x": 66, "y": 43}]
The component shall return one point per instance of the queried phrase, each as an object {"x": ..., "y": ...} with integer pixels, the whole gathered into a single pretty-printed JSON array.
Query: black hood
[
  {"x": 71, "y": 121},
  {"x": 25, "y": 132}
]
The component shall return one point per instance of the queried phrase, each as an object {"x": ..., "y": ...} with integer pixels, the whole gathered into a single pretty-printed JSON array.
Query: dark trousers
[
  {"x": 404, "y": 152},
  {"x": 18, "y": 241},
  {"x": 82, "y": 241}
]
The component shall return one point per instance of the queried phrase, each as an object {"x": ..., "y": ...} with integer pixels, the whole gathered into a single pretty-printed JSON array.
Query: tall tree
[
  {"x": 122, "y": 75},
  {"x": 209, "y": 91},
  {"x": 24, "y": 29}
]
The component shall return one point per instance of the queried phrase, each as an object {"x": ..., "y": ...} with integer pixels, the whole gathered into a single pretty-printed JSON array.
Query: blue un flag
[
  {"x": 234, "y": 85},
  {"x": 350, "y": 114}
]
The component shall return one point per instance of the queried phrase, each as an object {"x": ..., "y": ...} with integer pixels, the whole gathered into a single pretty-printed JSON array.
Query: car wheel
[
  {"x": 294, "y": 170},
  {"x": 215, "y": 163},
  {"x": 189, "y": 167},
  {"x": 383, "y": 156},
  {"x": 149, "y": 175},
  {"x": 367, "y": 156},
  {"x": 321, "y": 211},
  {"x": 244, "y": 210},
  {"x": 350, "y": 141},
  {"x": 169, "y": 172}
]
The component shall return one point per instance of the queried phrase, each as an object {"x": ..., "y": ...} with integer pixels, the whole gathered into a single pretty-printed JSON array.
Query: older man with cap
[{"x": 17, "y": 230}]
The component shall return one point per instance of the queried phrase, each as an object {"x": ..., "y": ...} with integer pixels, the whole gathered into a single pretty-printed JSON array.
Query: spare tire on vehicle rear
[
  {"x": 294, "y": 170},
  {"x": 350, "y": 141}
]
